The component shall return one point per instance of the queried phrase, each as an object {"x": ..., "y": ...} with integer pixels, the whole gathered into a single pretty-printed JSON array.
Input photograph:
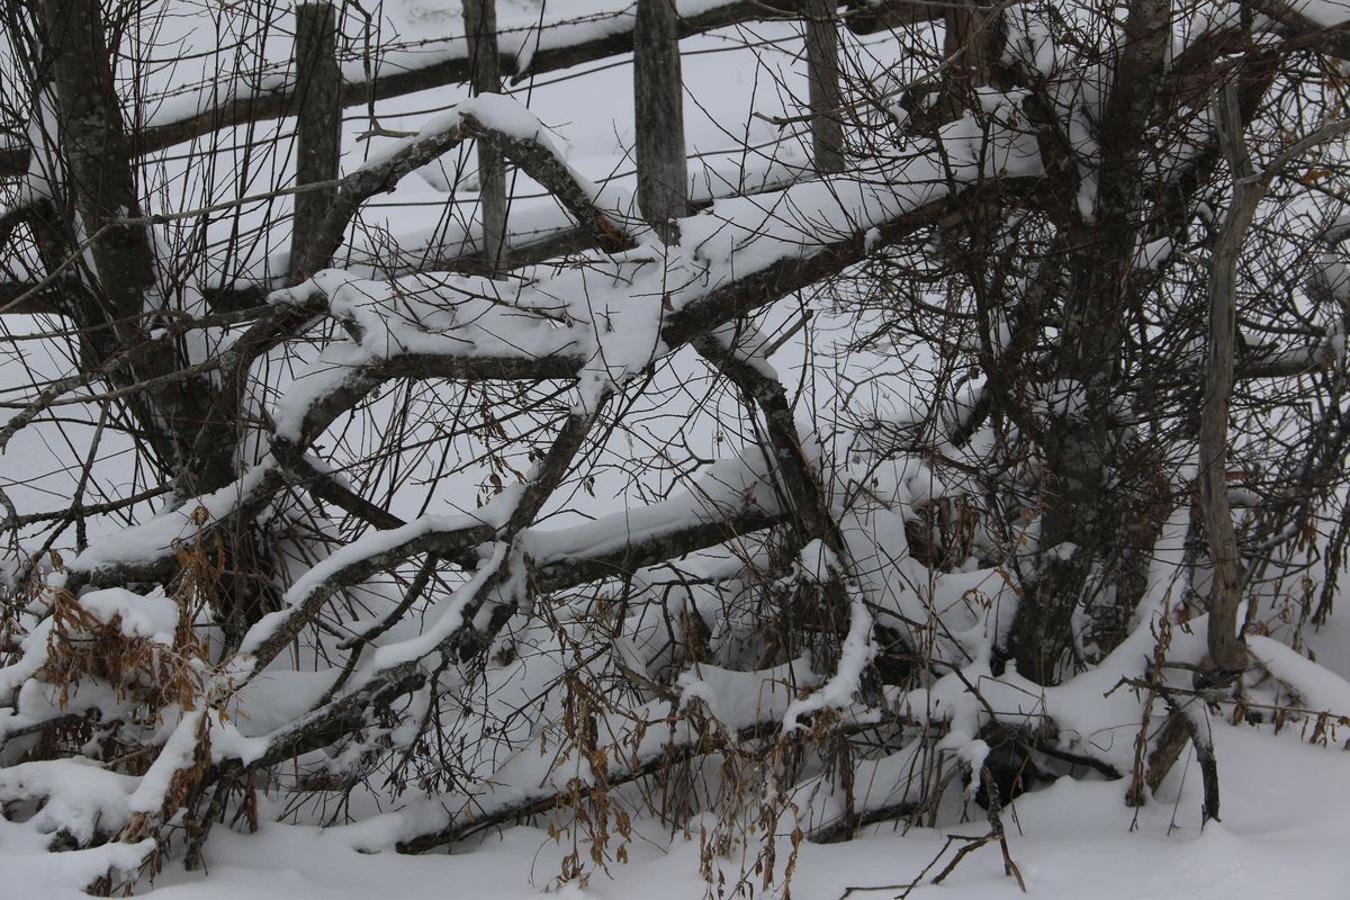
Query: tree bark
[
  {"x": 1226, "y": 648},
  {"x": 122, "y": 294},
  {"x": 1088, "y": 492}
]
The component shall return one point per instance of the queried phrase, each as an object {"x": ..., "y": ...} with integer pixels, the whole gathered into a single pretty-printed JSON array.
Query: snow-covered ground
[{"x": 1284, "y": 831}]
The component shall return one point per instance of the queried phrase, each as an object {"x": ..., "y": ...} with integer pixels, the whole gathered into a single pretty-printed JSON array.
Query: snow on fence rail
[
  {"x": 545, "y": 47},
  {"x": 650, "y": 29},
  {"x": 562, "y": 43}
]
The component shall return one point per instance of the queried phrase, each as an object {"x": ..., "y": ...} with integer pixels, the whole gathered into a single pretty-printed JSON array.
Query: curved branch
[
  {"x": 578, "y": 559},
  {"x": 492, "y": 117},
  {"x": 501, "y": 520},
  {"x": 801, "y": 481}
]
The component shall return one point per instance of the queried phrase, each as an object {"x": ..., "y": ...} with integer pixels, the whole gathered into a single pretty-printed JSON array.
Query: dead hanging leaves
[
  {"x": 147, "y": 671},
  {"x": 593, "y": 807},
  {"x": 201, "y": 569},
  {"x": 151, "y": 673},
  {"x": 154, "y": 678}
]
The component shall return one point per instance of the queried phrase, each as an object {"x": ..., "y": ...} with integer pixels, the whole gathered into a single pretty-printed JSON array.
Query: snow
[
  {"x": 152, "y": 615},
  {"x": 80, "y": 795},
  {"x": 29, "y": 663},
  {"x": 156, "y": 538},
  {"x": 818, "y": 561},
  {"x": 741, "y": 699},
  {"x": 178, "y": 753},
  {"x": 494, "y": 112},
  {"x": 541, "y": 769},
  {"x": 1281, "y": 836},
  {"x": 857, "y": 651},
  {"x": 525, "y": 30},
  {"x": 447, "y": 618},
  {"x": 1152, "y": 255},
  {"x": 725, "y": 487},
  {"x": 1316, "y": 688},
  {"x": 619, "y": 305},
  {"x": 270, "y": 701},
  {"x": 1326, "y": 13},
  {"x": 31, "y": 870}
]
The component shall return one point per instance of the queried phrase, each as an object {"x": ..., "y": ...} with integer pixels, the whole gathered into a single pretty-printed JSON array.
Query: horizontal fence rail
[{"x": 522, "y": 52}]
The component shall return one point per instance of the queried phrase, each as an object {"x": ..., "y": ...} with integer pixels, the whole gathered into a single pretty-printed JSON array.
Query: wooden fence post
[
  {"x": 318, "y": 92},
  {"x": 972, "y": 45},
  {"x": 658, "y": 97},
  {"x": 480, "y": 28},
  {"x": 822, "y": 59}
]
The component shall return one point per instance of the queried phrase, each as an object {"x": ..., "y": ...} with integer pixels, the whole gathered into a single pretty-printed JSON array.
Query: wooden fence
[
  {"x": 555, "y": 46},
  {"x": 313, "y": 90}
]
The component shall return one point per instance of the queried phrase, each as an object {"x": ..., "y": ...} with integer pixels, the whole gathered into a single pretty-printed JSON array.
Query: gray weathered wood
[
  {"x": 658, "y": 97},
  {"x": 1226, "y": 649},
  {"x": 822, "y": 59},
  {"x": 480, "y": 25},
  {"x": 318, "y": 120}
]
